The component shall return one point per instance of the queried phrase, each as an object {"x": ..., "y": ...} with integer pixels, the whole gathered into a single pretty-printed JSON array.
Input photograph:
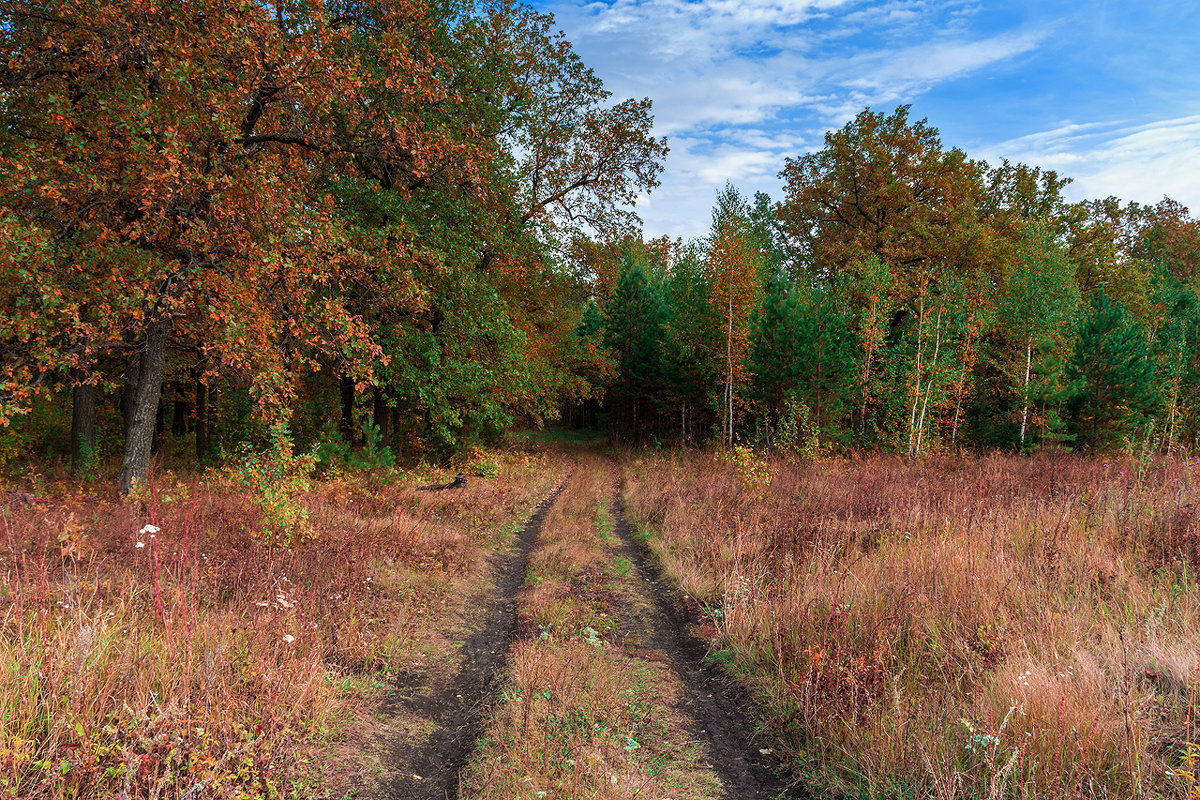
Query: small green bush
[{"x": 274, "y": 479}]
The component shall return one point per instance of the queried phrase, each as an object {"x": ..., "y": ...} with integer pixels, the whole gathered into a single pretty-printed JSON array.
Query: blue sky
[{"x": 1107, "y": 93}]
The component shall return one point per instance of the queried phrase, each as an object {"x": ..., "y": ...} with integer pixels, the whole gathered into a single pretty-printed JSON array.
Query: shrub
[{"x": 274, "y": 478}]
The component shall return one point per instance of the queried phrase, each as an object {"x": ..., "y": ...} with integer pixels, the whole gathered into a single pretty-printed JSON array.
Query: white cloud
[
  {"x": 1134, "y": 162},
  {"x": 739, "y": 85}
]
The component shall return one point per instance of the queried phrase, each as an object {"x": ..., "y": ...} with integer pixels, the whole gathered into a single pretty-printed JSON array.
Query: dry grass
[
  {"x": 585, "y": 714},
  {"x": 1000, "y": 627},
  {"x": 203, "y": 664}
]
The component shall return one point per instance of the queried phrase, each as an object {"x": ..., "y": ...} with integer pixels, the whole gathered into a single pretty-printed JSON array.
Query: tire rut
[
  {"x": 712, "y": 698},
  {"x": 430, "y": 771}
]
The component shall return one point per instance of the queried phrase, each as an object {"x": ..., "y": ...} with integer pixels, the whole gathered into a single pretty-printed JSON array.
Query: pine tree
[
  {"x": 1039, "y": 302},
  {"x": 773, "y": 353},
  {"x": 634, "y": 331},
  {"x": 824, "y": 369},
  {"x": 1175, "y": 343},
  {"x": 1110, "y": 374},
  {"x": 690, "y": 352}
]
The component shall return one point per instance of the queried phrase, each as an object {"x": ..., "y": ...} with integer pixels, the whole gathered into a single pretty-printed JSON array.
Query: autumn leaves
[{"x": 291, "y": 188}]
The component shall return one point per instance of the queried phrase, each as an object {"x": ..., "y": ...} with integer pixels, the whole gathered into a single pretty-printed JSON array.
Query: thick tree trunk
[
  {"x": 83, "y": 424},
  {"x": 201, "y": 420},
  {"x": 139, "y": 435},
  {"x": 346, "y": 385}
]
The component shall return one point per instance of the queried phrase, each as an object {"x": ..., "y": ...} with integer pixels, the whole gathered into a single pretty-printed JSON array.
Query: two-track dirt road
[{"x": 454, "y": 742}]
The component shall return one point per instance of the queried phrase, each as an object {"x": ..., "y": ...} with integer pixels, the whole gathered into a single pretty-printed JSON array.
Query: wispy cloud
[
  {"x": 739, "y": 85},
  {"x": 1135, "y": 162}
]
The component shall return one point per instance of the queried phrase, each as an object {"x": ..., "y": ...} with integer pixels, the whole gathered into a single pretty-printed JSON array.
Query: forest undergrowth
[
  {"x": 174, "y": 645},
  {"x": 992, "y": 627}
]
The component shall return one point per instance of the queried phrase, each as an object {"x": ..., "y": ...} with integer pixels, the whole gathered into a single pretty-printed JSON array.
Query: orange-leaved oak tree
[{"x": 156, "y": 175}]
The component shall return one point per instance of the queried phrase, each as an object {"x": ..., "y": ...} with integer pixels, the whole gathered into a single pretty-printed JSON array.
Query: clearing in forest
[{"x": 682, "y": 625}]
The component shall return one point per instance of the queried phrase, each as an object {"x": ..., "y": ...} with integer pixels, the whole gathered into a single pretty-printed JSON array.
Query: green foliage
[
  {"x": 14, "y": 441},
  {"x": 798, "y": 434},
  {"x": 485, "y": 468},
  {"x": 1035, "y": 312},
  {"x": 330, "y": 450},
  {"x": 690, "y": 366},
  {"x": 773, "y": 345},
  {"x": 635, "y": 321},
  {"x": 274, "y": 480},
  {"x": 825, "y": 365},
  {"x": 1110, "y": 375},
  {"x": 755, "y": 476},
  {"x": 373, "y": 454},
  {"x": 333, "y": 455},
  {"x": 1175, "y": 325}
]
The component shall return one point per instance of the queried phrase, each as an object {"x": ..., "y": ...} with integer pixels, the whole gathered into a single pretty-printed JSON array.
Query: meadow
[
  {"x": 991, "y": 627},
  {"x": 174, "y": 645},
  {"x": 967, "y": 627}
]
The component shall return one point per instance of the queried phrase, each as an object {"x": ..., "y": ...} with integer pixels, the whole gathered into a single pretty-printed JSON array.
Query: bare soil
[
  {"x": 440, "y": 720},
  {"x": 712, "y": 698}
]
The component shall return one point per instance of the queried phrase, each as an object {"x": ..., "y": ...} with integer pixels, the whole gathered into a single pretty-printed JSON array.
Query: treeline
[
  {"x": 404, "y": 225},
  {"x": 903, "y": 297},
  {"x": 297, "y": 212}
]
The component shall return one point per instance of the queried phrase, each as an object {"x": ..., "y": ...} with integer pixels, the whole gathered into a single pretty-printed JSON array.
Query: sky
[{"x": 1107, "y": 93}]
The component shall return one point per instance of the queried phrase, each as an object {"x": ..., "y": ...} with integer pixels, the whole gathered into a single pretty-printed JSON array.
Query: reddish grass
[
  {"x": 997, "y": 627},
  {"x": 206, "y": 664}
]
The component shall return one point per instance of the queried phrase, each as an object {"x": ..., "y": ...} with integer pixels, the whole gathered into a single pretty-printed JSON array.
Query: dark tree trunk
[
  {"x": 83, "y": 424},
  {"x": 139, "y": 434},
  {"x": 347, "y": 424},
  {"x": 390, "y": 414},
  {"x": 133, "y": 371},
  {"x": 160, "y": 420},
  {"x": 181, "y": 410},
  {"x": 383, "y": 418},
  {"x": 214, "y": 421},
  {"x": 201, "y": 420}
]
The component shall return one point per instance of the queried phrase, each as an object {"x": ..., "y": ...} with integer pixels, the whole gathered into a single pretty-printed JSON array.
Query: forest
[
  {"x": 404, "y": 227},
  {"x": 244, "y": 216}
]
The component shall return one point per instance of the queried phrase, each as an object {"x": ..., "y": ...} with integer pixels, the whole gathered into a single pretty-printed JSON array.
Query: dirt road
[{"x": 575, "y": 628}]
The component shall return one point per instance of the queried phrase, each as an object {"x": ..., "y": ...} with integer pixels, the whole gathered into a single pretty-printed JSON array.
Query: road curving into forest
[{"x": 576, "y": 628}]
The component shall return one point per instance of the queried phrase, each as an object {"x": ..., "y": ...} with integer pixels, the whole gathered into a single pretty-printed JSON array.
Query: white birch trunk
[
  {"x": 912, "y": 417},
  {"x": 937, "y": 346},
  {"x": 1025, "y": 390}
]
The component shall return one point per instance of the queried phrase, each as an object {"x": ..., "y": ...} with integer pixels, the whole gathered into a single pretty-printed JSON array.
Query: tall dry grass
[
  {"x": 996, "y": 627},
  {"x": 193, "y": 661}
]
